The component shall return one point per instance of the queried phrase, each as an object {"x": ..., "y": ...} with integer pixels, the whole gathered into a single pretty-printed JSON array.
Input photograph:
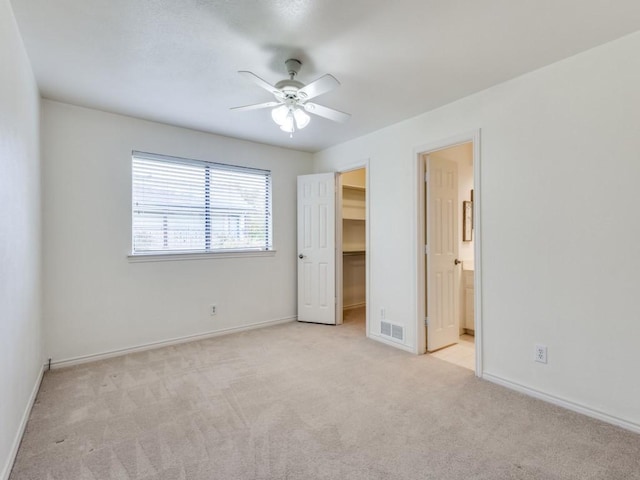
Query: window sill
[{"x": 171, "y": 257}]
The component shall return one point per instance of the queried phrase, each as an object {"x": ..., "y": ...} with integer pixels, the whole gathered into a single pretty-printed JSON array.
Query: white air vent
[
  {"x": 385, "y": 329},
  {"x": 391, "y": 330},
  {"x": 397, "y": 332}
]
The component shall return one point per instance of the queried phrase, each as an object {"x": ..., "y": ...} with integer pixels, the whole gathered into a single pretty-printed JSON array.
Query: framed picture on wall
[{"x": 467, "y": 221}]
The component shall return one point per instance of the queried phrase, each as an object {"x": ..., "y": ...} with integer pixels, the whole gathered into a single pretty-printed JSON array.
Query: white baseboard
[
  {"x": 381, "y": 339},
  {"x": 68, "y": 362},
  {"x": 561, "y": 402},
  {"x": 6, "y": 471}
]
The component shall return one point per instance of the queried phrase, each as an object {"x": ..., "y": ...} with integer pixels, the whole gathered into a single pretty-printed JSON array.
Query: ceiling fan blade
[
  {"x": 255, "y": 106},
  {"x": 318, "y": 87},
  {"x": 326, "y": 112},
  {"x": 261, "y": 83}
]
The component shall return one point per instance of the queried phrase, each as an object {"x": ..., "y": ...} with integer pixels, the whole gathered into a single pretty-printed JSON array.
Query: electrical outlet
[
  {"x": 213, "y": 310},
  {"x": 383, "y": 313},
  {"x": 540, "y": 353}
]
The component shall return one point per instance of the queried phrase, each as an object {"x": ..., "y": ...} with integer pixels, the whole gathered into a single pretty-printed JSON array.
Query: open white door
[
  {"x": 317, "y": 248},
  {"x": 442, "y": 253}
]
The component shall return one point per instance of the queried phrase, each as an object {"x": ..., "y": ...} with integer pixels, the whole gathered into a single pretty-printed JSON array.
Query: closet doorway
[{"x": 351, "y": 246}]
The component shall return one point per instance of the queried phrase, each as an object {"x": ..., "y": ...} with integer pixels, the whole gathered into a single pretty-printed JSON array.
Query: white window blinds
[{"x": 191, "y": 206}]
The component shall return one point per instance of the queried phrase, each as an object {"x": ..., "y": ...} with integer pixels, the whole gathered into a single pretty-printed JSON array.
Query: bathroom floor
[{"x": 463, "y": 353}]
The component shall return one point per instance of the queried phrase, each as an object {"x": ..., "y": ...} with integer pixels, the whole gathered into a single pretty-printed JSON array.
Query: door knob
[
  {"x": 301, "y": 256},
  {"x": 457, "y": 262}
]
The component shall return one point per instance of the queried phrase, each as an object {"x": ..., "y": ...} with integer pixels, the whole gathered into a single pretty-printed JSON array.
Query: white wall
[
  {"x": 95, "y": 299},
  {"x": 20, "y": 325},
  {"x": 560, "y": 168}
]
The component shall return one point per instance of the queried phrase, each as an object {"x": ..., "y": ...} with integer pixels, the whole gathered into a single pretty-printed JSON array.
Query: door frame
[
  {"x": 421, "y": 152},
  {"x": 339, "y": 260}
]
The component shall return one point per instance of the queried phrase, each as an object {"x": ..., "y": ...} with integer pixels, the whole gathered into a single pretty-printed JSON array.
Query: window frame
[{"x": 207, "y": 253}]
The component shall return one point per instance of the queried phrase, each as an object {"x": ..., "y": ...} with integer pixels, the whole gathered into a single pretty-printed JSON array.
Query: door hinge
[
  {"x": 426, "y": 178},
  {"x": 426, "y": 249},
  {"x": 426, "y": 321}
]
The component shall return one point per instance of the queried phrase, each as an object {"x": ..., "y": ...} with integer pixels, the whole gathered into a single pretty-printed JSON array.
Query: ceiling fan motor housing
[
  {"x": 289, "y": 87},
  {"x": 293, "y": 66}
]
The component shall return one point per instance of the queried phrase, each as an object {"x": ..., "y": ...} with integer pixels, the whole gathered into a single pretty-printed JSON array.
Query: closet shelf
[
  {"x": 347, "y": 253},
  {"x": 354, "y": 187}
]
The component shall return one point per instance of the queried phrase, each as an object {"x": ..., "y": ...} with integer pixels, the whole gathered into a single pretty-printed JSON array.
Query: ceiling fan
[{"x": 292, "y": 99}]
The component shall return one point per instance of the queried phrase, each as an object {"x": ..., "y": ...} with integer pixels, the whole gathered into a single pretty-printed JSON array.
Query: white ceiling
[{"x": 175, "y": 61}]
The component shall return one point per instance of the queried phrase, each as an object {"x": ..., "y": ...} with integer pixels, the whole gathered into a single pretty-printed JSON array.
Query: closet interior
[{"x": 353, "y": 185}]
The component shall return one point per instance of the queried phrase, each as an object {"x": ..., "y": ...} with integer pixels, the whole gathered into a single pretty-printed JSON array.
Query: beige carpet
[{"x": 301, "y": 401}]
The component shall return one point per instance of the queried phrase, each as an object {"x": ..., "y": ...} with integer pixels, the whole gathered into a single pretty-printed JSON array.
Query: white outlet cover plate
[{"x": 540, "y": 353}]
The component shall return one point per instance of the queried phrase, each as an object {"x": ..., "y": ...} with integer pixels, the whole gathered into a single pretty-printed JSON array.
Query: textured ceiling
[{"x": 176, "y": 61}]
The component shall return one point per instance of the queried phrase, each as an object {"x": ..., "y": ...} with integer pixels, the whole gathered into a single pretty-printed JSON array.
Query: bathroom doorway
[{"x": 448, "y": 236}]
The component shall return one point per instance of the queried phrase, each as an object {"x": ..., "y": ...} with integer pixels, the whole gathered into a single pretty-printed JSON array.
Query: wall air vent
[
  {"x": 397, "y": 332},
  {"x": 385, "y": 329},
  {"x": 392, "y": 331}
]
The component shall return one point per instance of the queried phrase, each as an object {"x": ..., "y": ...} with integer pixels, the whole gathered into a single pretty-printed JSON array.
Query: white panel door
[
  {"x": 442, "y": 254},
  {"x": 317, "y": 248}
]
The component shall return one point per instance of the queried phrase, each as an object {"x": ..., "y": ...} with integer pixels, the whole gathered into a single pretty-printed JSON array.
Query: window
[{"x": 191, "y": 206}]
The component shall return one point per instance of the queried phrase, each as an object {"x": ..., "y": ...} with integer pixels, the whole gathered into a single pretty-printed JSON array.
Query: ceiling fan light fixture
[
  {"x": 287, "y": 125},
  {"x": 302, "y": 119},
  {"x": 290, "y": 118},
  {"x": 280, "y": 114}
]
